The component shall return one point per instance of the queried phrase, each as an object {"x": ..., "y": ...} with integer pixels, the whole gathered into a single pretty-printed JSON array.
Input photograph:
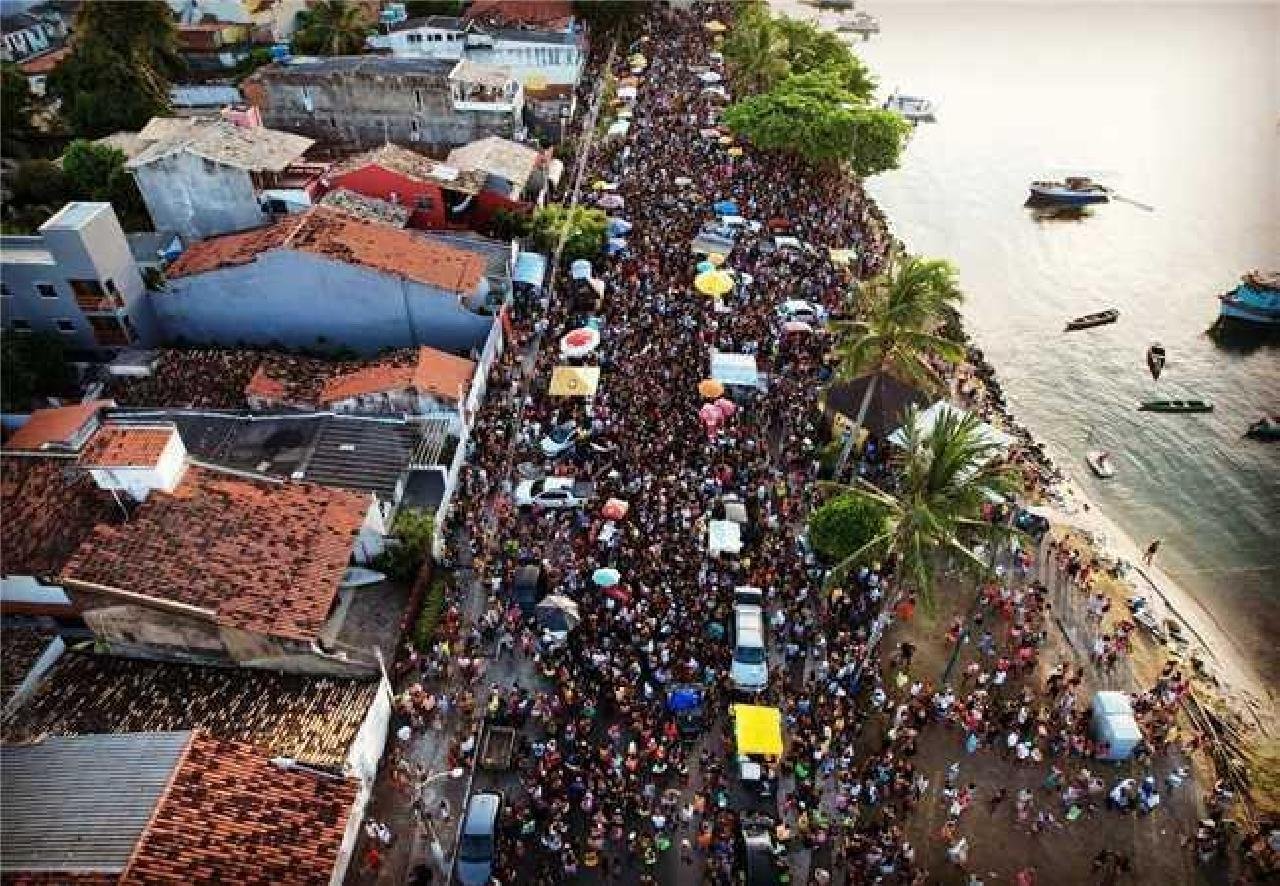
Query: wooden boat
[
  {"x": 1265, "y": 428},
  {"x": 1175, "y": 406},
  {"x": 1088, "y": 321},
  {"x": 1155, "y": 360},
  {"x": 1100, "y": 461},
  {"x": 1076, "y": 190}
]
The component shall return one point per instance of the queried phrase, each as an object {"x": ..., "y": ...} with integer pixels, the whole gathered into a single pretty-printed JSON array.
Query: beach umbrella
[
  {"x": 704, "y": 266},
  {"x": 709, "y": 77},
  {"x": 579, "y": 342},
  {"x": 726, "y": 406},
  {"x": 611, "y": 201},
  {"x": 726, "y": 140},
  {"x": 716, "y": 259},
  {"x": 606, "y": 577},
  {"x": 713, "y": 283},
  {"x": 580, "y": 269},
  {"x": 725, "y": 207},
  {"x": 614, "y": 245},
  {"x": 618, "y": 593},
  {"x": 619, "y": 227},
  {"x": 710, "y": 388},
  {"x": 683, "y": 181},
  {"x": 685, "y": 698},
  {"x": 735, "y": 152},
  {"x": 710, "y": 414},
  {"x": 796, "y": 326},
  {"x": 715, "y": 26},
  {"x": 615, "y": 509}
]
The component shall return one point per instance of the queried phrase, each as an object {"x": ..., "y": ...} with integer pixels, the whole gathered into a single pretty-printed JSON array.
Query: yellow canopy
[
  {"x": 575, "y": 381},
  {"x": 842, "y": 257},
  {"x": 757, "y": 729},
  {"x": 710, "y": 388},
  {"x": 713, "y": 283},
  {"x": 716, "y": 27}
]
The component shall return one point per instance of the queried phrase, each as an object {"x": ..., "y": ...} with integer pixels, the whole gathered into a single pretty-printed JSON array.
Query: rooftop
[
  {"x": 513, "y": 163},
  {"x": 253, "y": 148},
  {"x": 21, "y": 648},
  {"x": 430, "y": 372},
  {"x": 367, "y": 208},
  {"x": 497, "y": 254},
  {"x": 55, "y": 429},
  {"x": 125, "y": 446},
  {"x": 412, "y": 165},
  {"x": 75, "y": 215},
  {"x": 50, "y": 506},
  {"x": 493, "y": 76},
  {"x": 131, "y": 144},
  {"x": 550, "y": 14},
  {"x": 306, "y": 67},
  {"x": 260, "y": 556},
  {"x": 311, "y": 719},
  {"x": 332, "y": 234},
  {"x": 43, "y": 64}
]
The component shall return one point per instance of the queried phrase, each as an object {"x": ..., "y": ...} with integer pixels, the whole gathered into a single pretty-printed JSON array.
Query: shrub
[{"x": 844, "y": 525}]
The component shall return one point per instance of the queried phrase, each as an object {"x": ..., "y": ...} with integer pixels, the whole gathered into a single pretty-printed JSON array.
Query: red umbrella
[
  {"x": 619, "y": 593},
  {"x": 615, "y": 509},
  {"x": 727, "y": 406}
]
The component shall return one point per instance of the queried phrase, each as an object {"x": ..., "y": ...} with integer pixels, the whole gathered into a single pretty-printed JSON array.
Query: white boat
[
  {"x": 1100, "y": 461},
  {"x": 912, "y": 107}
]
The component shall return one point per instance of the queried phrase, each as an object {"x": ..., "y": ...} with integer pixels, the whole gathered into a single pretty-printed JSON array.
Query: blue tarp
[
  {"x": 684, "y": 699},
  {"x": 725, "y": 207},
  {"x": 531, "y": 268}
]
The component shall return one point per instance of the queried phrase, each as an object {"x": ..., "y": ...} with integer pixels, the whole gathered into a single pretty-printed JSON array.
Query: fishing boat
[
  {"x": 1175, "y": 406},
  {"x": 1075, "y": 190},
  {"x": 1100, "y": 461},
  {"x": 1155, "y": 360},
  {"x": 1265, "y": 428},
  {"x": 1256, "y": 301},
  {"x": 912, "y": 107},
  {"x": 1088, "y": 321}
]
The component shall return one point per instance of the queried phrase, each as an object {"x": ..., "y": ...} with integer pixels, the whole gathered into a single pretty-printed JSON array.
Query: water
[{"x": 1177, "y": 106}]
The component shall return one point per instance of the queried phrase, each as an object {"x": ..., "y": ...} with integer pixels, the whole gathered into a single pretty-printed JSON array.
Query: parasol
[
  {"x": 710, "y": 414},
  {"x": 728, "y": 407},
  {"x": 579, "y": 342},
  {"x": 580, "y": 269},
  {"x": 713, "y": 283},
  {"x": 704, "y": 266},
  {"x": 685, "y": 698},
  {"x": 615, "y": 509},
  {"x": 606, "y": 577},
  {"x": 710, "y": 388},
  {"x": 705, "y": 77}
]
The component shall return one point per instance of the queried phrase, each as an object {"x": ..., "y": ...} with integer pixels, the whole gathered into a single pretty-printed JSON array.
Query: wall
[
  {"x": 198, "y": 198},
  {"x": 139, "y": 482},
  {"x": 376, "y": 181},
  {"x": 296, "y": 298}
]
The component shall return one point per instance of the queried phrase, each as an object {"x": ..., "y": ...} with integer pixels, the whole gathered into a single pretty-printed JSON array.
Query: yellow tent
[
  {"x": 713, "y": 283},
  {"x": 575, "y": 381},
  {"x": 757, "y": 729}
]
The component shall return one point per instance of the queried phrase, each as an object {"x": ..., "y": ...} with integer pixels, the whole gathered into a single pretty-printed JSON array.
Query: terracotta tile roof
[
  {"x": 53, "y": 428},
  {"x": 367, "y": 208},
  {"x": 311, "y": 719},
  {"x": 43, "y": 64},
  {"x": 231, "y": 816},
  {"x": 21, "y": 648},
  {"x": 431, "y": 372},
  {"x": 49, "y": 507},
  {"x": 334, "y": 235},
  {"x": 553, "y": 14},
  {"x": 125, "y": 446},
  {"x": 412, "y": 165},
  {"x": 263, "y": 557}
]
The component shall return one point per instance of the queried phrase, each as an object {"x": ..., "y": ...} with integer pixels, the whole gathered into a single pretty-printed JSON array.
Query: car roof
[{"x": 482, "y": 810}]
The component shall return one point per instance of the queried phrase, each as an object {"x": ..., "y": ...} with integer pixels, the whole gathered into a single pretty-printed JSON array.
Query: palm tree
[
  {"x": 333, "y": 27},
  {"x": 757, "y": 51},
  {"x": 906, "y": 301}
]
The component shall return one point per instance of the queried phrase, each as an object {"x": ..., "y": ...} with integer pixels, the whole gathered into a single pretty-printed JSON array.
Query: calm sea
[{"x": 1176, "y": 106}]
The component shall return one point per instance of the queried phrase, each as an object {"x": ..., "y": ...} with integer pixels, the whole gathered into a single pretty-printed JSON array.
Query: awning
[
  {"x": 531, "y": 268},
  {"x": 735, "y": 369},
  {"x": 926, "y": 421},
  {"x": 757, "y": 729},
  {"x": 575, "y": 381},
  {"x": 724, "y": 537}
]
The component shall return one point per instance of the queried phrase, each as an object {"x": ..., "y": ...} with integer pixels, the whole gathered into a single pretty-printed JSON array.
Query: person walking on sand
[{"x": 1151, "y": 551}]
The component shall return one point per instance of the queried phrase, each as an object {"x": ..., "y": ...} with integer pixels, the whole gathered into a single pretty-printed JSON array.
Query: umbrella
[
  {"x": 614, "y": 245},
  {"x": 558, "y": 613},
  {"x": 704, "y": 266},
  {"x": 618, "y": 593},
  {"x": 735, "y": 152},
  {"x": 710, "y": 388},
  {"x": 716, "y": 259},
  {"x": 574, "y": 381},
  {"x": 686, "y": 698},
  {"x": 715, "y": 26},
  {"x": 619, "y": 227},
  {"x": 796, "y": 326},
  {"x": 710, "y": 414},
  {"x": 579, "y": 342},
  {"x": 580, "y": 269},
  {"x": 707, "y": 77},
  {"x": 728, "y": 407},
  {"x": 727, "y": 140},
  {"x": 611, "y": 201},
  {"x": 614, "y": 509},
  {"x": 606, "y": 577},
  {"x": 628, "y": 92},
  {"x": 683, "y": 181},
  {"x": 713, "y": 283},
  {"x": 725, "y": 207}
]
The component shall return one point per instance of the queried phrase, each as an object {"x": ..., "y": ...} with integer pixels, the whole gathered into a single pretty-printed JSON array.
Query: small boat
[
  {"x": 1155, "y": 360},
  {"x": 1075, "y": 190},
  {"x": 1265, "y": 428},
  {"x": 1256, "y": 301},
  {"x": 1175, "y": 406},
  {"x": 1100, "y": 461},
  {"x": 1088, "y": 321},
  {"x": 912, "y": 107}
]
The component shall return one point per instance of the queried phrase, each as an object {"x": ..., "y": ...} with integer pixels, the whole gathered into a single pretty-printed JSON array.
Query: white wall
[
  {"x": 198, "y": 198},
  {"x": 138, "y": 482}
]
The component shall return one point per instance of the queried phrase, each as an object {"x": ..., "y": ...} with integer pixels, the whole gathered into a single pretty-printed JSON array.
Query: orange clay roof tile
[
  {"x": 53, "y": 427},
  {"x": 123, "y": 446},
  {"x": 433, "y": 372}
]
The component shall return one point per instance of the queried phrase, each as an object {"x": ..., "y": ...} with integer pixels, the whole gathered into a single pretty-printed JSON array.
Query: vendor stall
[{"x": 1115, "y": 726}]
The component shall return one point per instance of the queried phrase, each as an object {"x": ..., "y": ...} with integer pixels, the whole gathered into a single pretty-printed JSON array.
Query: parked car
[
  {"x": 559, "y": 440},
  {"x": 804, "y": 311},
  {"x": 477, "y": 845},
  {"x": 529, "y": 586},
  {"x": 758, "y": 859},
  {"x": 554, "y": 492}
]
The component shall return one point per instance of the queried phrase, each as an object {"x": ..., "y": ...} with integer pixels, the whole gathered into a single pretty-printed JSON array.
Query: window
[
  {"x": 413, "y": 127},
  {"x": 417, "y": 99},
  {"x": 423, "y": 202},
  {"x": 108, "y": 331},
  {"x": 19, "y": 325},
  {"x": 415, "y": 38},
  {"x": 65, "y": 325},
  {"x": 46, "y": 290}
]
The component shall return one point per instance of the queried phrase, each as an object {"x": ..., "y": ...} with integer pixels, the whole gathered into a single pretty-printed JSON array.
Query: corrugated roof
[
  {"x": 82, "y": 803},
  {"x": 255, "y": 148}
]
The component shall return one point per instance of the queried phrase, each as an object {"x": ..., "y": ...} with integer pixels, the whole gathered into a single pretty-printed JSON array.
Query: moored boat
[
  {"x": 912, "y": 107},
  {"x": 1192, "y": 405},
  {"x": 1088, "y": 321},
  {"x": 1100, "y": 461},
  {"x": 1155, "y": 360},
  {"x": 1255, "y": 301},
  {"x": 1265, "y": 428},
  {"x": 1075, "y": 190}
]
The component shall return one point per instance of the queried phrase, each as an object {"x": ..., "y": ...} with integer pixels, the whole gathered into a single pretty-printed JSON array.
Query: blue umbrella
[
  {"x": 704, "y": 266},
  {"x": 619, "y": 227},
  {"x": 615, "y": 245},
  {"x": 606, "y": 577},
  {"x": 725, "y": 207},
  {"x": 686, "y": 698}
]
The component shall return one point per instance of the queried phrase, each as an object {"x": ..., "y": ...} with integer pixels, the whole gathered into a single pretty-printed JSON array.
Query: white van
[{"x": 750, "y": 669}]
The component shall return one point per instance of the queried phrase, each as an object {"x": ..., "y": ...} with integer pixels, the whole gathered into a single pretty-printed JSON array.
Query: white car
[
  {"x": 559, "y": 440},
  {"x": 554, "y": 492},
  {"x": 804, "y": 311}
]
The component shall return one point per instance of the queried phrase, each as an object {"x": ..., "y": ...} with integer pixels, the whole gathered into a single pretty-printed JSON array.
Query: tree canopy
[
  {"x": 332, "y": 27},
  {"x": 812, "y": 49},
  {"x": 586, "y": 230},
  {"x": 18, "y": 105},
  {"x": 762, "y": 51},
  {"x": 847, "y": 524},
  {"x": 32, "y": 365},
  {"x": 117, "y": 74}
]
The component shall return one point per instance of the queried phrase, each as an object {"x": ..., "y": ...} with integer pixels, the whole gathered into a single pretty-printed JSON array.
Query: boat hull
[
  {"x": 1238, "y": 312},
  {"x": 1176, "y": 406},
  {"x": 1066, "y": 196}
]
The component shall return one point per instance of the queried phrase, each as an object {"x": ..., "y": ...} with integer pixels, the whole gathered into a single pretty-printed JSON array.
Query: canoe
[
  {"x": 1100, "y": 461},
  {"x": 1175, "y": 406},
  {"x": 1155, "y": 360},
  {"x": 1088, "y": 321}
]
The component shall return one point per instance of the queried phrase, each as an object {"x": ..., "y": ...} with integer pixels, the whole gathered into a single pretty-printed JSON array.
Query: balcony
[{"x": 93, "y": 298}]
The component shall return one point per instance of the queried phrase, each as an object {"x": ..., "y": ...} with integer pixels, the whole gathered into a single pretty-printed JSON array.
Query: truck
[{"x": 554, "y": 492}]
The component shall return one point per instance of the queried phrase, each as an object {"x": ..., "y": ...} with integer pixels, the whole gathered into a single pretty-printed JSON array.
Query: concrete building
[
  {"x": 359, "y": 102},
  {"x": 327, "y": 279},
  {"x": 27, "y": 35},
  {"x": 270, "y": 21},
  {"x": 202, "y": 177},
  {"x": 77, "y": 278}
]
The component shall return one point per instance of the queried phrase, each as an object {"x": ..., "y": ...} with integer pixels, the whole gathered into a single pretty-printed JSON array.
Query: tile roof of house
[
  {"x": 329, "y": 233},
  {"x": 21, "y": 648},
  {"x": 51, "y": 430},
  {"x": 254, "y": 148},
  {"x": 125, "y": 446},
  {"x": 553, "y": 14},
  {"x": 303, "y": 69},
  {"x": 49, "y": 507},
  {"x": 264, "y": 557},
  {"x": 311, "y": 719},
  {"x": 208, "y": 378},
  {"x": 413, "y": 165},
  {"x": 431, "y": 372},
  {"x": 367, "y": 208},
  {"x": 500, "y": 157},
  {"x": 43, "y": 64},
  {"x": 229, "y": 815}
]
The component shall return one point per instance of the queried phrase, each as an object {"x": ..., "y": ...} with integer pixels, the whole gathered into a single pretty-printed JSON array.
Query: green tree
[
  {"x": 33, "y": 365},
  {"x": 809, "y": 48},
  {"x": 412, "y": 537},
  {"x": 845, "y": 524},
  {"x": 40, "y": 183},
  {"x": 904, "y": 304},
  {"x": 507, "y": 225},
  {"x": 117, "y": 74},
  {"x": 97, "y": 172},
  {"x": 583, "y": 228},
  {"x": 422, "y": 8},
  {"x": 18, "y": 106},
  {"x": 878, "y": 139},
  {"x": 332, "y": 27},
  {"x": 756, "y": 51}
]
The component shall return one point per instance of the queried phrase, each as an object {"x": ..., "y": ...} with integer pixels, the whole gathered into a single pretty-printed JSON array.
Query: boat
[
  {"x": 1100, "y": 461},
  {"x": 912, "y": 107},
  {"x": 1088, "y": 321},
  {"x": 1256, "y": 301},
  {"x": 1175, "y": 406},
  {"x": 1075, "y": 190},
  {"x": 1265, "y": 428},
  {"x": 1155, "y": 360}
]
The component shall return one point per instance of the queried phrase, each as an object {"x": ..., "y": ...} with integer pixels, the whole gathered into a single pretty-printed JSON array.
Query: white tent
[
  {"x": 1114, "y": 723},
  {"x": 724, "y": 537},
  {"x": 926, "y": 421},
  {"x": 735, "y": 369}
]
